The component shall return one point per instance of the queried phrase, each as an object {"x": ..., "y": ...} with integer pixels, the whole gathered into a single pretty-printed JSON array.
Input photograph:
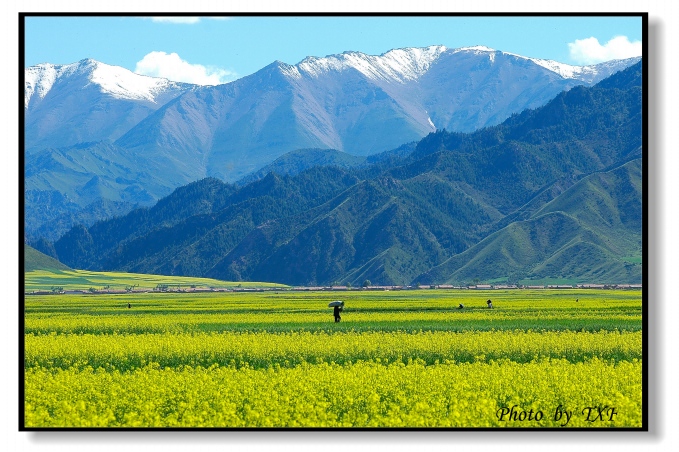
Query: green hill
[
  {"x": 35, "y": 260},
  {"x": 591, "y": 232}
]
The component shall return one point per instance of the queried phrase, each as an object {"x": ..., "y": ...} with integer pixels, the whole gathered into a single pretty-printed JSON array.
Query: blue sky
[{"x": 216, "y": 50}]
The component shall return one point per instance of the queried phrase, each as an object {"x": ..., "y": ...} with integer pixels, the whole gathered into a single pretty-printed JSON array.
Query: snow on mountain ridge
[
  {"x": 114, "y": 80},
  {"x": 407, "y": 64},
  {"x": 567, "y": 71},
  {"x": 563, "y": 69},
  {"x": 584, "y": 73},
  {"x": 38, "y": 80},
  {"x": 125, "y": 84},
  {"x": 473, "y": 48},
  {"x": 399, "y": 65}
]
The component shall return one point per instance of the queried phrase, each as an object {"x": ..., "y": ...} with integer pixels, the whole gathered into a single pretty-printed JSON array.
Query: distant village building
[
  {"x": 592, "y": 286},
  {"x": 379, "y": 287}
]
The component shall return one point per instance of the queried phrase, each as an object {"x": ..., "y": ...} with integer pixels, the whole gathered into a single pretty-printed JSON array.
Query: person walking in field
[
  {"x": 337, "y": 306},
  {"x": 129, "y": 305},
  {"x": 490, "y": 304}
]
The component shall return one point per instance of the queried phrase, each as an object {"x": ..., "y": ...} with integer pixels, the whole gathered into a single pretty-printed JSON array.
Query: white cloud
[
  {"x": 184, "y": 19},
  {"x": 590, "y": 51},
  {"x": 176, "y": 19},
  {"x": 172, "y": 67}
]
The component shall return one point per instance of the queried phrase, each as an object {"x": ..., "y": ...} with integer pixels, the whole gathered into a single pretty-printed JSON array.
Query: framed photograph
[{"x": 333, "y": 222}]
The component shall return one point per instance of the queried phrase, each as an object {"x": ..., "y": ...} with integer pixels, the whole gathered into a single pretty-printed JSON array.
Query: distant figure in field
[
  {"x": 336, "y": 312},
  {"x": 129, "y": 305},
  {"x": 576, "y": 300},
  {"x": 461, "y": 306},
  {"x": 490, "y": 304}
]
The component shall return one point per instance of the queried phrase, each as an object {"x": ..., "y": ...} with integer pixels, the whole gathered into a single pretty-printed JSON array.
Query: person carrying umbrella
[{"x": 337, "y": 308}]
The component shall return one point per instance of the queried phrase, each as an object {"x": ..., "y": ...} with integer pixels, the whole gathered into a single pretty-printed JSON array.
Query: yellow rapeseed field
[{"x": 396, "y": 360}]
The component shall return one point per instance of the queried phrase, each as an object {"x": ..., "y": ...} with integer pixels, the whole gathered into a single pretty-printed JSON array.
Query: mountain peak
[
  {"x": 87, "y": 63},
  {"x": 115, "y": 81},
  {"x": 474, "y": 49},
  {"x": 399, "y": 65}
]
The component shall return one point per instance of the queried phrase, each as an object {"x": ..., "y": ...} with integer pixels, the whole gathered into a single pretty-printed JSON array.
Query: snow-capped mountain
[
  {"x": 407, "y": 64},
  {"x": 88, "y": 101},
  {"x": 113, "y": 80},
  {"x": 357, "y": 103},
  {"x": 399, "y": 65},
  {"x": 175, "y": 133}
]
